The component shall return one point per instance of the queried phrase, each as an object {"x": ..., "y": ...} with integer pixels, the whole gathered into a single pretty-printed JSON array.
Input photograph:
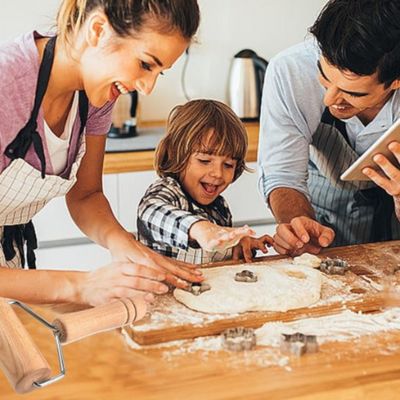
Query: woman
[{"x": 58, "y": 94}]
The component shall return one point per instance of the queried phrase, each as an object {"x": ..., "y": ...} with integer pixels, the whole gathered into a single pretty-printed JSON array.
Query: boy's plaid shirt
[{"x": 166, "y": 213}]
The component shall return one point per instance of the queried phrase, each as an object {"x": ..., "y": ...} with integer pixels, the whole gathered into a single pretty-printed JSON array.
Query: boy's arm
[{"x": 160, "y": 217}]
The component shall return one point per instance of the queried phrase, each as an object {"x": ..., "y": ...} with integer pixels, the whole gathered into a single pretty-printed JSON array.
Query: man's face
[{"x": 348, "y": 94}]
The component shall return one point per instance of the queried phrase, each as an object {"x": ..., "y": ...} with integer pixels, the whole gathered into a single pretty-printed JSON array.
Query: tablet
[{"x": 353, "y": 173}]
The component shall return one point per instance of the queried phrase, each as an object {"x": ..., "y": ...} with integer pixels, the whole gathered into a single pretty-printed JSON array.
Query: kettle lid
[{"x": 246, "y": 53}]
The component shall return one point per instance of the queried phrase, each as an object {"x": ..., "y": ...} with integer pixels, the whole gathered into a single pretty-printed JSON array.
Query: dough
[
  {"x": 280, "y": 287},
  {"x": 307, "y": 259}
]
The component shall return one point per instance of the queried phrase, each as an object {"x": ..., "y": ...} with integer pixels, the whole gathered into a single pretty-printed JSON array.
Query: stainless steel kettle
[{"x": 246, "y": 83}]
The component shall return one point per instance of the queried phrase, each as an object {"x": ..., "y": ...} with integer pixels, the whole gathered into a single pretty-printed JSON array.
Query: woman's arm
[
  {"x": 116, "y": 280},
  {"x": 92, "y": 213}
]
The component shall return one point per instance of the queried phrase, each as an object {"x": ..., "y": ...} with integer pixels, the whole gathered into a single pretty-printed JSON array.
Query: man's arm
[{"x": 287, "y": 204}]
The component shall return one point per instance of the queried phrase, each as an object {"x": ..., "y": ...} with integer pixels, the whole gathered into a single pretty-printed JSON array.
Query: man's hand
[
  {"x": 302, "y": 235},
  {"x": 388, "y": 177}
]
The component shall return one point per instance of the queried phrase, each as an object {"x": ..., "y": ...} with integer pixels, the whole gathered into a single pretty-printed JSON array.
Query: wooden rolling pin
[{"x": 21, "y": 360}]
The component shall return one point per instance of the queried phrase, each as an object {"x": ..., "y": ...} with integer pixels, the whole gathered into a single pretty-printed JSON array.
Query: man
[{"x": 325, "y": 102}]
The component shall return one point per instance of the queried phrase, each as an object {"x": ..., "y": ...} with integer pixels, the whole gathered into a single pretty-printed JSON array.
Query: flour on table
[
  {"x": 339, "y": 327},
  {"x": 280, "y": 287},
  {"x": 308, "y": 260}
]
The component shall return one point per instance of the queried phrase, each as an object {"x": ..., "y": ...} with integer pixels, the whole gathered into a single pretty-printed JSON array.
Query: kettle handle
[{"x": 260, "y": 65}]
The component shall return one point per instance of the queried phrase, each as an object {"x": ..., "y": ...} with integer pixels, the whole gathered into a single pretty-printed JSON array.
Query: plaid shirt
[{"x": 166, "y": 213}]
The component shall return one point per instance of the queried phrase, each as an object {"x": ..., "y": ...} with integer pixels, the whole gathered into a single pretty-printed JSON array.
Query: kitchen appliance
[
  {"x": 245, "y": 84},
  {"x": 124, "y": 117}
]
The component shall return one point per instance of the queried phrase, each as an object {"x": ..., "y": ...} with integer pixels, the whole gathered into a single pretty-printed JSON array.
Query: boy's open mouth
[{"x": 209, "y": 188}]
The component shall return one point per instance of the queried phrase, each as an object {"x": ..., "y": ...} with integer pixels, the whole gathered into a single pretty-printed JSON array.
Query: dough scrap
[
  {"x": 310, "y": 260},
  {"x": 280, "y": 287}
]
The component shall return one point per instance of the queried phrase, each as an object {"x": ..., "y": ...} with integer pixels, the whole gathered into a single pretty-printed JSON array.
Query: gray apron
[{"x": 358, "y": 211}]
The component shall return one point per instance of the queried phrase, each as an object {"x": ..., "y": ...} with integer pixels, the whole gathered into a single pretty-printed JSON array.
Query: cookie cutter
[
  {"x": 298, "y": 343},
  {"x": 198, "y": 288},
  {"x": 334, "y": 266},
  {"x": 246, "y": 276},
  {"x": 238, "y": 339}
]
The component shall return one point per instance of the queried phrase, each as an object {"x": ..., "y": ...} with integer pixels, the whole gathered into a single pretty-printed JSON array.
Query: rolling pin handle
[
  {"x": 20, "y": 359},
  {"x": 117, "y": 314}
]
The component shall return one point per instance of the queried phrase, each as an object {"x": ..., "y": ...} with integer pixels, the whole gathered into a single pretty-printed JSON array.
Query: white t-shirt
[{"x": 58, "y": 146}]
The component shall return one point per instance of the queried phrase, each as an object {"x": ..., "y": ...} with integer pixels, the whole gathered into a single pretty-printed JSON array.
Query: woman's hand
[
  {"x": 248, "y": 246},
  {"x": 175, "y": 272},
  {"x": 120, "y": 280},
  {"x": 212, "y": 237}
]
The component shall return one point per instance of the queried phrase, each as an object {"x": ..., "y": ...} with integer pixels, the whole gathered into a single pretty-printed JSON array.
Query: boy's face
[
  {"x": 348, "y": 94},
  {"x": 207, "y": 176}
]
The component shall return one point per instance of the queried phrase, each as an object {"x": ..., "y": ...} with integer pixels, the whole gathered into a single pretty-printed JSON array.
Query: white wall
[{"x": 266, "y": 26}]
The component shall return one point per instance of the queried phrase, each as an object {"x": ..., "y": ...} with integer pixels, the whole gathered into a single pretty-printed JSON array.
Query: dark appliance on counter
[
  {"x": 246, "y": 83},
  {"x": 128, "y": 128},
  {"x": 124, "y": 136}
]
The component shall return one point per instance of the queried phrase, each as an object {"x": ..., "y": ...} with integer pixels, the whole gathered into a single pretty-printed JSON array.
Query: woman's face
[{"x": 111, "y": 66}]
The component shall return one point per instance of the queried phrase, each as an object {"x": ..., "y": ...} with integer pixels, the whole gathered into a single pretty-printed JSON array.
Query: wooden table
[{"x": 104, "y": 367}]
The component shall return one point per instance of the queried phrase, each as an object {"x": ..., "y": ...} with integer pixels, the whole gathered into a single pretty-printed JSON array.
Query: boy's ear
[{"x": 395, "y": 84}]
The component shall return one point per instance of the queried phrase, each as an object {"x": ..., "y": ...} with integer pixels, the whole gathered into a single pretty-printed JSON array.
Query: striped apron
[
  {"x": 358, "y": 211},
  {"x": 24, "y": 190}
]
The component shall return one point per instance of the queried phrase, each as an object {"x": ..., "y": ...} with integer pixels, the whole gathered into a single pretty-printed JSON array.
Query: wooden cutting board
[{"x": 361, "y": 289}]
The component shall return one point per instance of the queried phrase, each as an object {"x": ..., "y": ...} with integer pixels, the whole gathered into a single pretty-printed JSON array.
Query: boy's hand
[
  {"x": 212, "y": 237},
  {"x": 248, "y": 246}
]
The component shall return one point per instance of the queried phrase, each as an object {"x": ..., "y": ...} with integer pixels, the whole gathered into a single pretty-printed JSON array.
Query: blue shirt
[{"x": 291, "y": 112}]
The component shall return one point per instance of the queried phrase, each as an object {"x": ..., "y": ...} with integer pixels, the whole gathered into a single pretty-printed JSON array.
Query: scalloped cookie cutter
[
  {"x": 198, "y": 288},
  {"x": 246, "y": 276},
  {"x": 335, "y": 266},
  {"x": 238, "y": 339}
]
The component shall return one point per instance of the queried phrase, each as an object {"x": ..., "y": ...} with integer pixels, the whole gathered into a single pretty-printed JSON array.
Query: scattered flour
[{"x": 339, "y": 327}]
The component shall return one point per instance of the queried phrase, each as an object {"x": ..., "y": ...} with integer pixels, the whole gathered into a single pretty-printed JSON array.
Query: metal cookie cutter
[
  {"x": 238, "y": 339},
  {"x": 246, "y": 276},
  {"x": 198, "y": 288},
  {"x": 334, "y": 266},
  {"x": 298, "y": 343}
]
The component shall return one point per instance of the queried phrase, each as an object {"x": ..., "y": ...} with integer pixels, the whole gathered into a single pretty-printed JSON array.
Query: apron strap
[{"x": 29, "y": 135}]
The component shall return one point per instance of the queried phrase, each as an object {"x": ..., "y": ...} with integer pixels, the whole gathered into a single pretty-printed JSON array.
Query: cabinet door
[
  {"x": 245, "y": 201},
  {"x": 131, "y": 188},
  {"x": 54, "y": 222}
]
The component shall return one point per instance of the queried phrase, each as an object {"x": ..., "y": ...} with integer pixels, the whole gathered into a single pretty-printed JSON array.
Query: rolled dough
[{"x": 280, "y": 287}]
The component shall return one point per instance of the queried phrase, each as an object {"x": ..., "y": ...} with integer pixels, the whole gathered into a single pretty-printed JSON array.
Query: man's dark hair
[{"x": 362, "y": 36}]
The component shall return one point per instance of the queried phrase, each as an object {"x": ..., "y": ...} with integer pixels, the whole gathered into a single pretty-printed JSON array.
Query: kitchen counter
[
  {"x": 104, "y": 367},
  {"x": 136, "y": 161}
]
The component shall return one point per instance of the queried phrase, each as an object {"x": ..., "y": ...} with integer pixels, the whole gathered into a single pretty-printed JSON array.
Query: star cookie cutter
[
  {"x": 334, "y": 266},
  {"x": 246, "y": 276},
  {"x": 298, "y": 344},
  {"x": 198, "y": 288},
  {"x": 238, "y": 339}
]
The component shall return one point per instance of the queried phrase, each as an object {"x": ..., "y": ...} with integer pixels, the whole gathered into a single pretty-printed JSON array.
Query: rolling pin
[{"x": 21, "y": 360}]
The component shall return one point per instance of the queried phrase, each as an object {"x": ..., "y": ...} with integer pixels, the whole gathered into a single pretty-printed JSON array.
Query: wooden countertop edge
[{"x": 136, "y": 161}]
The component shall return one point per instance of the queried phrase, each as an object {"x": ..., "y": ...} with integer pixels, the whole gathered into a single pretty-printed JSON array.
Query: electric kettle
[{"x": 246, "y": 83}]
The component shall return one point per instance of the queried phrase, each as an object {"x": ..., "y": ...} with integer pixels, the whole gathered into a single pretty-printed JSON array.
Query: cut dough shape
[
  {"x": 280, "y": 287},
  {"x": 307, "y": 259}
]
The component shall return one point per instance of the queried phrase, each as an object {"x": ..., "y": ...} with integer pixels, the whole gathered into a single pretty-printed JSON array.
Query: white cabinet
[
  {"x": 245, "y": 201},
  {"x": 54, "y": 223},
  {"x": 131, "y": 188}
]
